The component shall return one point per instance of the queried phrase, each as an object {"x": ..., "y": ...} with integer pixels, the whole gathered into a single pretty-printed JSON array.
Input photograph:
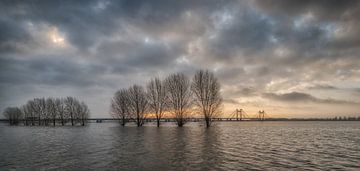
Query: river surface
[{"x": 290, "y": 145}]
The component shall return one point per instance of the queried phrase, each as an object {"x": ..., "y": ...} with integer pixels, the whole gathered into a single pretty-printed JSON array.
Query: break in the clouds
[{"x": 290, "y": 58}]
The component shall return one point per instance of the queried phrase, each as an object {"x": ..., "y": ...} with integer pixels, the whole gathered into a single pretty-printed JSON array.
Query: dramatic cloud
[
  {"x": 303, "y": 97},
  {"x": 266, "y": 54}
]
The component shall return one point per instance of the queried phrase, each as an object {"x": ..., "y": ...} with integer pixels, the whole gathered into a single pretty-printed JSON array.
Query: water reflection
[{"x": 225, "y": 146}]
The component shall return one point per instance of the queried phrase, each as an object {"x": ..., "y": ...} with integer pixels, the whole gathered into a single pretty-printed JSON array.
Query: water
[{"x": 225, "y": 146}]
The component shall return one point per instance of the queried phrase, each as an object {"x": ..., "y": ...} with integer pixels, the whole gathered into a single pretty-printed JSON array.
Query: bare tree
[
  {"x": 27, "y": 113},
  {"x": 157, "y": 98},
  {"x": 179, "y": 95},
  {"x": 39, "y": 108},
  {"x": 120, "y": 106},
  {"x": 60, "y": 109},
  {"x": 13, "y": 114},
  {"x": 137, "y": 104},
  {"x": 32, "y": 109},
  {"x": 70, "y": 104},
  {"x": 51, "y": 109},
  {"x": 206, "y": 90},
  {"x": 84, "y": 114}
]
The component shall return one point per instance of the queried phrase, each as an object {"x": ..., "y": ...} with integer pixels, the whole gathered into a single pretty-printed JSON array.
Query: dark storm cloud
[
  {"x": 251, "y": 45},
  {"x": 85, "y": 21},
  {"x": 328, "y": 9},
  {"x": 323, "y": 87},
  {"x": 11, "y": 34},
  {"x": 231, "y": 101},
  {"x": 303, "y": 97},
  {"x": 54, "y": 71},
  {"x": 147, "y": 54},
  {"x": 326, "y": 13},
  {"x": 247, "y": 31}
]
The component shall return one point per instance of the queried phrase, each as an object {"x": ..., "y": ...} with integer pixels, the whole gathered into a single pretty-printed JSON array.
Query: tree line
[
  {"x": 176, "y": 96},
  {"x": 49, "y": 111}
]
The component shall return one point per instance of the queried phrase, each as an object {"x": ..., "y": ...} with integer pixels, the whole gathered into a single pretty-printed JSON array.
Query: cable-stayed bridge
[{"x": 236, "y": 115}]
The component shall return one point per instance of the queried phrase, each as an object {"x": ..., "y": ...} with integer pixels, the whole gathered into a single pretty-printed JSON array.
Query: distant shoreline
[{"x": 99, "y": 120}]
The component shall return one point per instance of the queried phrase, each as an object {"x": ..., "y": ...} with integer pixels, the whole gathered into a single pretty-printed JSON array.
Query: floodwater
[{"x": 292, "y": 145}]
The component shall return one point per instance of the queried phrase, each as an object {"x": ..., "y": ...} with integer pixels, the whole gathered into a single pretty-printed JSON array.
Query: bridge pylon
[
  {"x": 239, "y": 114},
  {"x": 261, "y": 115}
]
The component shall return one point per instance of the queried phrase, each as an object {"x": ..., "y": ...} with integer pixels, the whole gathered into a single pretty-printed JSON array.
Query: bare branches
[
  {"x": 157, "y": 98},
  {"x": 120, "y": 106},
  {"x": 137, "y": 104},
  {"x": 206, "y": 89},
  {"x": 13, "y": 114},
  {"x": 174, "y": 95},
  {"x": 41, "y": 111},
  {"x": 179, "y": 95},
  {"x": 84, "y": 113}
]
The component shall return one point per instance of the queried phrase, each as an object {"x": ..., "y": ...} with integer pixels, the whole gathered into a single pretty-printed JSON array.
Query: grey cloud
[
  {"x": 138, "y": 53},
  {"x": 248, "y": 45},
  {"x": 323, "y": 87},
  {"x": 248, "y": 91},
  {"x": 303, "y": 97},
  {"x": 328, "y": 9},
  {"x": 50, "y": 71},
  {"x": 231, "y": 101}
]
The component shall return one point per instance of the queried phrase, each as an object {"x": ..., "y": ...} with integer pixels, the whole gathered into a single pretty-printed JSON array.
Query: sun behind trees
[
  {"x": 174, "y": 97},
  {"x": 49, "y": 111}
]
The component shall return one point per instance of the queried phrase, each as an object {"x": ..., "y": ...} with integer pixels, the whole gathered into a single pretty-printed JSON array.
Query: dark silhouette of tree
[
  {"x": 70, "y": 108},
  {"x": 33, "y": 111},
  {"x": 207, "y": 97},
  {"x": 27, "y": 113},
  {"x": 51, "y": 109},
  {"x": 137, "y": 104},
  {"x": 120, "y": 106},
  {"x": 13, "y": 114},
  {"x": 84, "y": 113},
  {"x": 157, "y": 98},
  {"x": 39, "y": 107},
  {"x": 60, "y": 110},
  {"x": 179, "y": 95}
]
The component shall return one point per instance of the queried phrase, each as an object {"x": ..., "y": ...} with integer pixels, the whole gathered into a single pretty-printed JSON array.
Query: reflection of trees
[
  {"x": 211, "y": 153},
  {"x": 193, "y": 148}
]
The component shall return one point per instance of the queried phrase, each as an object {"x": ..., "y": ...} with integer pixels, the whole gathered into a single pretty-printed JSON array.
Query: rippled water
[{"x": 225, "y": 146}]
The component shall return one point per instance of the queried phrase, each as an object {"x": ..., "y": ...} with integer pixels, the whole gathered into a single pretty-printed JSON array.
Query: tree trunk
[
  {"x": 158, "y": 122},
  {"x": 180, "y": 123},
  {"x": 72, "y": 120},
  {"x": 62, "y": 120},
  {"x": 123, "y": 121},
  {"x": 207, "y": 120}
]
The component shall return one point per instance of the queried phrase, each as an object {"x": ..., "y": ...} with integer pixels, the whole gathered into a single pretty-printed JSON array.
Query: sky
[{"x": 290, "y": 58}]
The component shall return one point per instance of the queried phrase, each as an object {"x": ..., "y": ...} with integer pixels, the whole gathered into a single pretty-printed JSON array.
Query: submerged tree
[
  {"x": 137, "y": 104},
  {"x": 60, "y": 110},
  {"x": 206, "y": 90},
  {"x": 83, "y": 113},
  {"x": 39, "y": 106},
  {"x": 70, "y": 103},
  {"x": 13, "y": 114},
  {"x": 48, "y": 111},
  {"x": 27, "y": 113},
  {"x": 157, "y": 98},
  {"x": 120, "y": 106},
  {"x": 179, "y": 95},
  {"x": 51, "y": 109}
]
